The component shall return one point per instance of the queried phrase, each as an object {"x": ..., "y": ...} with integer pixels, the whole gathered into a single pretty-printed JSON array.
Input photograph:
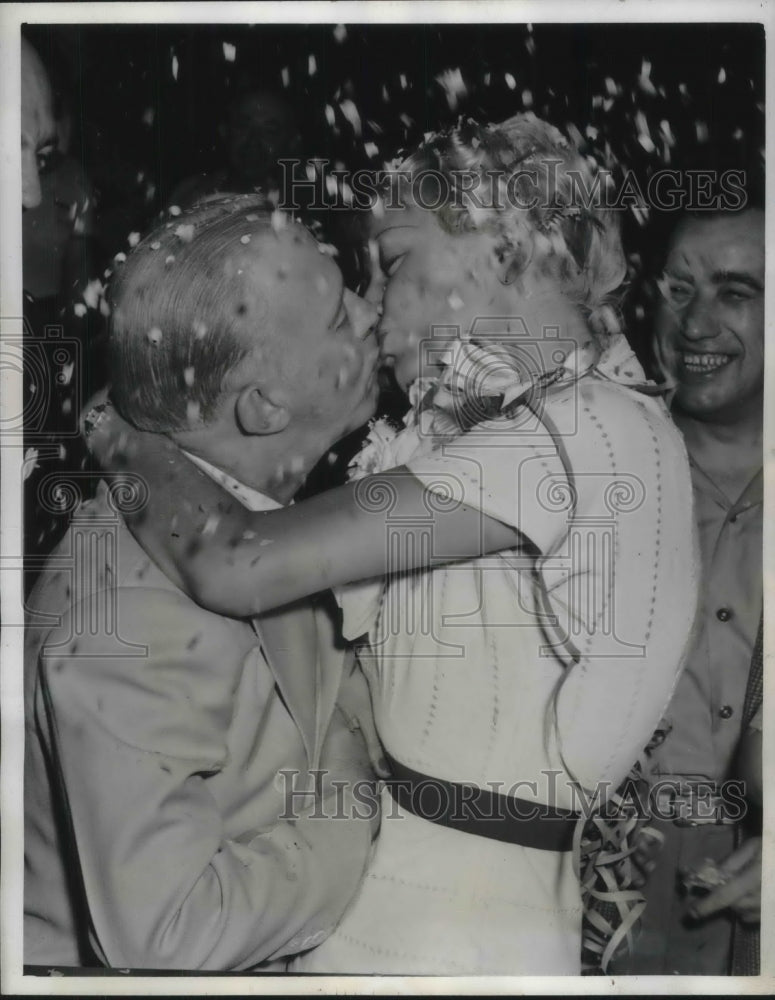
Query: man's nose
[
  {"x": 699, "y": 319},
  {"x": 31, "y": 193},
  {"x": 363, "y": 315}
]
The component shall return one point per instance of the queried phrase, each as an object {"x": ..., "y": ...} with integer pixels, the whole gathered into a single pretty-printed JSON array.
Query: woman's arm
[{"x": 238, "y": 562}]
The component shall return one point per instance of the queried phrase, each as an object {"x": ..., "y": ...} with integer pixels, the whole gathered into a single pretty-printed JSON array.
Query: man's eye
[
  {"x": 676, "y": 292},
  {"x": 48, "y": 161},
  {"x": 735, "y": 294}
]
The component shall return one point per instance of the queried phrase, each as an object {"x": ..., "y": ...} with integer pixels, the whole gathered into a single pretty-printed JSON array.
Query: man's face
[
  {"x": 38, "y": 126},
  {"x": 261, "y": 131},
  {"x": 436, "y": 284},
  {"x": 322, "y": 348},
  {"x": 710, "y": 317}
]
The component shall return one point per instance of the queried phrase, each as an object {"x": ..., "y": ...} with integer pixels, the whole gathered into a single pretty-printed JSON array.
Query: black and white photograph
[{"x": 382, "y": 410}]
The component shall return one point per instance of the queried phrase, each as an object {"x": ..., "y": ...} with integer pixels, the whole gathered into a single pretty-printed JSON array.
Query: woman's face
[{"x": 436, "y": 286}]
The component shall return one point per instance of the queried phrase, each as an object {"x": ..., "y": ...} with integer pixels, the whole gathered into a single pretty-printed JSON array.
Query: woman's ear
[{"x": 258, "y": 414}]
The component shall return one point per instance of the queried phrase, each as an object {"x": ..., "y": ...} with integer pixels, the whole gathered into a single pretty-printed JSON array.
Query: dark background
[{"x": 133, "y": 117}]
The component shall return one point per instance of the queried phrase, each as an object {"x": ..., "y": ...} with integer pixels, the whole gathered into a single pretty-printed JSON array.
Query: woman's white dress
[{"x": 521, "y": 672}]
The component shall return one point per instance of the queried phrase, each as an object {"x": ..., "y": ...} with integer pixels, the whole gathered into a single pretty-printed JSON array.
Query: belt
[
  {"x": 687, "y": 802},
  {"x": 480, "y": 811}
]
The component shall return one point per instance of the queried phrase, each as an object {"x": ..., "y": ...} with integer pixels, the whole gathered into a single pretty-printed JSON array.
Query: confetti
[
  {"x": 175, "y": 210},
  {"x": 184, "y": 232},
  {"x": 285, "y": 76},
  {"x": 120, "y": 257},
  {"x": 722, "y": 75},
  {"x": 511, "y": 83},
  {"x": 154, "y": 336},
  {"x": 351, "y": 114},
  {"x": 91, "y": 294},
  {"x": 245, "y": 239},
  {"x": 451, "y": 81},
  {"x": 340, "y": 33},
  {"x": 169, "y": 260},
  {"x": 371, "y": 149},
  {"x": 200, "y": 330},
  {"x": 79, "y": 309},
  {"x": 229, "y": 52},
  {"x": 148, "y": 116},
  {"x": 133, "y": 239},
  {"x": 188, "y": 376},
  {"x": 175, "y": 66},
  {"x": 312, "y": 65},
  {"x": 330, "y": 115},
  {"x": 30, "y": 462}
]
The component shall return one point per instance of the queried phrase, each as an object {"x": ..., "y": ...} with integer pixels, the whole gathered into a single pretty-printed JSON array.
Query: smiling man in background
[{"x": 710, "y": 340}]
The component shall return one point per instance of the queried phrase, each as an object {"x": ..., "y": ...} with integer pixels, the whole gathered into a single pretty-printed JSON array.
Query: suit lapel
[
  {"x": 289, "y": 641},
  {"x": 300, "y": 647}
]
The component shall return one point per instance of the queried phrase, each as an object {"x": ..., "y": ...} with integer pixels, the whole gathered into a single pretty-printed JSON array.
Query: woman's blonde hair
[{"x": 524, "y": 180}]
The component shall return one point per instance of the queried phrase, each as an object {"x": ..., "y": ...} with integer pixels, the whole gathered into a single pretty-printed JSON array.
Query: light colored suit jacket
[{"x": 155, "y": 734}]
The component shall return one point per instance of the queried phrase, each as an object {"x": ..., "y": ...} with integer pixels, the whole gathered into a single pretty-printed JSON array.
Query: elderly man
[
  {"x": 710, "y": 339},
  {"x": 39, "y": 136},
  {"x": 169, "y": 817}
]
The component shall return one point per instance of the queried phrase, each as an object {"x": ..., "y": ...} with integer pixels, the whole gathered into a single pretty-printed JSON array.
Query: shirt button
[
  {"x": 726, "y": 712},
  {"x": 724, "y": 614}
]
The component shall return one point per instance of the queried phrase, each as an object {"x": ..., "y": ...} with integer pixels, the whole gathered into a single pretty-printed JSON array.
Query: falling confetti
[
  {"x": 511, "y": 83},
  {"x": 451, "y": 81},
  {"x": 91, "y": 294},
  {"x": 351, "y": 114},
  {"x": 174, "y": 66},
  {"x": 340, "y": 33},
  {"x": 285, "y": 76},
  {"x": 312, "y": 65},
  {"x": 133, "y": 239},
  {"x": 245, "y": 239},
  {"x": 154, "y": 336},
  {"x": 229, "y": 52},
  {"x": 188, "y": 376},
  {"x": 184, "y": 232}
]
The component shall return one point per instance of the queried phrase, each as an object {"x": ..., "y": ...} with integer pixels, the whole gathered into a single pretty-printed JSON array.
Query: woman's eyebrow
[{"x": 401, "y": 230}]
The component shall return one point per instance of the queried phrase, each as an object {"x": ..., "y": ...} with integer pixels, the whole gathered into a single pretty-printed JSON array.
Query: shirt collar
[{"x": 247, "y": 496}]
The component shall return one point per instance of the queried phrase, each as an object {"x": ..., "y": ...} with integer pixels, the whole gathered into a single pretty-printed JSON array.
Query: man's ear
[{"x": 258, "y": 414}]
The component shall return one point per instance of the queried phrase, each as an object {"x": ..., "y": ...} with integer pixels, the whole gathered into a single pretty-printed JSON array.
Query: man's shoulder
[{"x": 100, "y": 569}]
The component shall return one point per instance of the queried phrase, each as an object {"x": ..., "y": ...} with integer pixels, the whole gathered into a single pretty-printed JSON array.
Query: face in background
[
  {"x": 710, "y": 317},
  {"x": 323, "y": 348},
  {"x": 39, "y": 137},
  {"x": 262, "y": 129}
]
